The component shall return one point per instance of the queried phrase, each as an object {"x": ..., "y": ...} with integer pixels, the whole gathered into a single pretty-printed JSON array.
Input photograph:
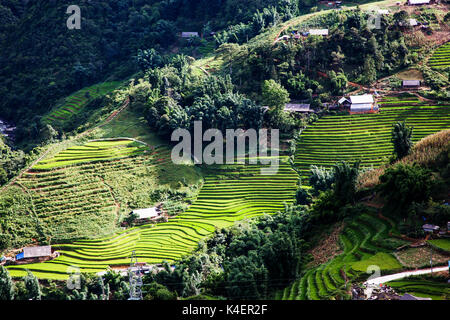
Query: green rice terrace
[
  {"x": 230, "y": 193},
  {"x": 437, "y": 290},
  {"x": 441, "y": 57},
  {"x": 366, "y": 137},
  {"x": 364, "y": 242},
  {"x": 77, "y": 193},
  {"x": 75, "y": 103}
]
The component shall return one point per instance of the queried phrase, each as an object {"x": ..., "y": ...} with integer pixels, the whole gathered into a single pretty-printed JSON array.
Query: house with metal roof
[
  {"x": 297, "y": 107},
  {"x": 318, "y": 32},
  {"x": 363, "y": 104},
  {"x": 190, "y": 35},
  {"x": 148, "y": 213},
  {"x": 418, "y": 2},
  {"x": 35, "y": 252},
  {"x": 411, "y": 83},
  {"x": 430, "y": 228}
]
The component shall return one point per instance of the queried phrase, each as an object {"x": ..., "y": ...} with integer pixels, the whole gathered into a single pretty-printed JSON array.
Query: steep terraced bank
[
  {"x": 75, "y": 194},
  {"x": 230, "y": 193},
  {"x": 75, "y": 103},
  {"x": 365, "y": 242},
  {"x": 366, "y": 137},
  {"x": 441, "y": 57}
]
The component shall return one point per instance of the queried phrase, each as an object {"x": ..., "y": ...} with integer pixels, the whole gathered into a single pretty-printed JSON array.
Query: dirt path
[{"x": 80, "y": 135}]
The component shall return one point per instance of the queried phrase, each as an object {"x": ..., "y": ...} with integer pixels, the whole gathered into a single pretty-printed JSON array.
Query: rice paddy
[
  {"x": 366, "y": 137},
  {"x": 75, "y": 103},
  {"x": 441, "y": 57},
  {"x": 229, "y": 194}
]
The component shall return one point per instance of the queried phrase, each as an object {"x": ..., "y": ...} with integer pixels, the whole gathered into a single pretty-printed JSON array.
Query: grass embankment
[
  {"x": 366, "y": 137},
  {"x": 437, "y": 289},
  {"x": 441, "y": 57},
  {"x": 75, "y": 103},
  {"x": 364, "y": 242},
  {"x": 229, "y": 194}
]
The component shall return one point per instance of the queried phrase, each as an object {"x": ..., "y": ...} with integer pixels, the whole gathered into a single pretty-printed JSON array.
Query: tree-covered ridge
[{"x": 46, "y": 60}]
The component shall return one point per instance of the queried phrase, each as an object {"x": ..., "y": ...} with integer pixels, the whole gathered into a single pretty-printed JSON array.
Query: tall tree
[
  {"x": 32, "y": 286},
  {"x": 401, "y": 138},
  {"x": 345, "y": 181},
  {"x": 274, "y": 94},
  {"x": 6, "y": 285}
]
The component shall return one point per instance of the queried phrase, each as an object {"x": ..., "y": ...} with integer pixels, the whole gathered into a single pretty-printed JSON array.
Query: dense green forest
[{"x": 59, "y": 84}]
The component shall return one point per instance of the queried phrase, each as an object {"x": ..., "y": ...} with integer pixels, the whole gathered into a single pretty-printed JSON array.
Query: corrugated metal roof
[
  {"x": 35, "y": 252},
  {"x": 297, "y": 107},
  {"x": 360, "y": 107},
  {"x": 146, "y": 213},
  {"x": 418, "y": 1},
  {"x": 342, "y": 100},
  {"x": 318, "y": 32},
  {"x": 365, "y": 98},
  {"x": 411, "y": 82},
  {"x": 430, "y": 227},
  {"x": 189, "y": 34}
]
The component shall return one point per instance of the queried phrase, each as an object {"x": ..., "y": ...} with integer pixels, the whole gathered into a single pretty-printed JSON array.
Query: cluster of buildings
[
  {"x": 436, "y": 230},
  {"x": 382, "y": 292},
  {"x": 31, "y": 255}
]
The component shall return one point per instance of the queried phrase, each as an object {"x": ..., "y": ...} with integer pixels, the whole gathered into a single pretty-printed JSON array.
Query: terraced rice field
[
  {"x": 71, "y": 192},
  {"x": 229, "y": 194},
  {"x": 75, "y": 103},
  {"x": 441, "y": 57},
  {"x": 91, "y": 152},
  {"x": 422, "y": 288},
  {"x": 364, "y": 242},
  {"x": 366, "y": 137}
]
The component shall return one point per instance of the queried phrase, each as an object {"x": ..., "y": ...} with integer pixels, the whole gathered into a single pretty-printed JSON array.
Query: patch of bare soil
[
  {"x": 420, "y": 257},
  {"x": 328, "y": 248}
]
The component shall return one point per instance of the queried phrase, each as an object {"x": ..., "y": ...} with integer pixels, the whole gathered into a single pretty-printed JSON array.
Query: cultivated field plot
[
  {"x": 71, "y": 192},
  {"x": 75, "y": 103},
  {"x": 365, "y": 242},
  {"x": 366, "y": 137},
  {"x": 230, "y": 193},
  {"x": 441, "y": 57},
  {"x": 437, "y": 290}
]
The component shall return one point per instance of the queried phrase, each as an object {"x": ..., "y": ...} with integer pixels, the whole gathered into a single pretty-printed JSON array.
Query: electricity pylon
[{"x": 135, "y": 275}]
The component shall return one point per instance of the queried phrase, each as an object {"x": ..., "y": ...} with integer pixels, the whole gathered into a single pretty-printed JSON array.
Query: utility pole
[
  {"x": 431, "y": 260},
  {"x": 135, "y": 277}
]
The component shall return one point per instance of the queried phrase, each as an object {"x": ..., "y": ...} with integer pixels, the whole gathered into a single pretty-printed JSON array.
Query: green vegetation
[
  {"x": 443, "y": 244},
  {"x": 441, "y": 57},
  {"x": 365, "y": 137},
  {"x": 365, "y": 241},
  {"x": 427, "y": 287},
  {"x": 75, "y": 103},
  {"x": 229, "y": 194}
]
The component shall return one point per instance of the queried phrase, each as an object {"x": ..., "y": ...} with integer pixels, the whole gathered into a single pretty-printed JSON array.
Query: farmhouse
[
  {"x": 318, "y": 32},
  {"x": 35, "y": 252},
  {"x": 410, "y": 84},
  {"x": 359, "y": 104},
  {"x": 149, "y": 213},
  {"x": 297, "y": 107},
  {"x": 430, "y": 228},
  {"x": 190, "y": 35},
  {"x": 418, "y": 2}
]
